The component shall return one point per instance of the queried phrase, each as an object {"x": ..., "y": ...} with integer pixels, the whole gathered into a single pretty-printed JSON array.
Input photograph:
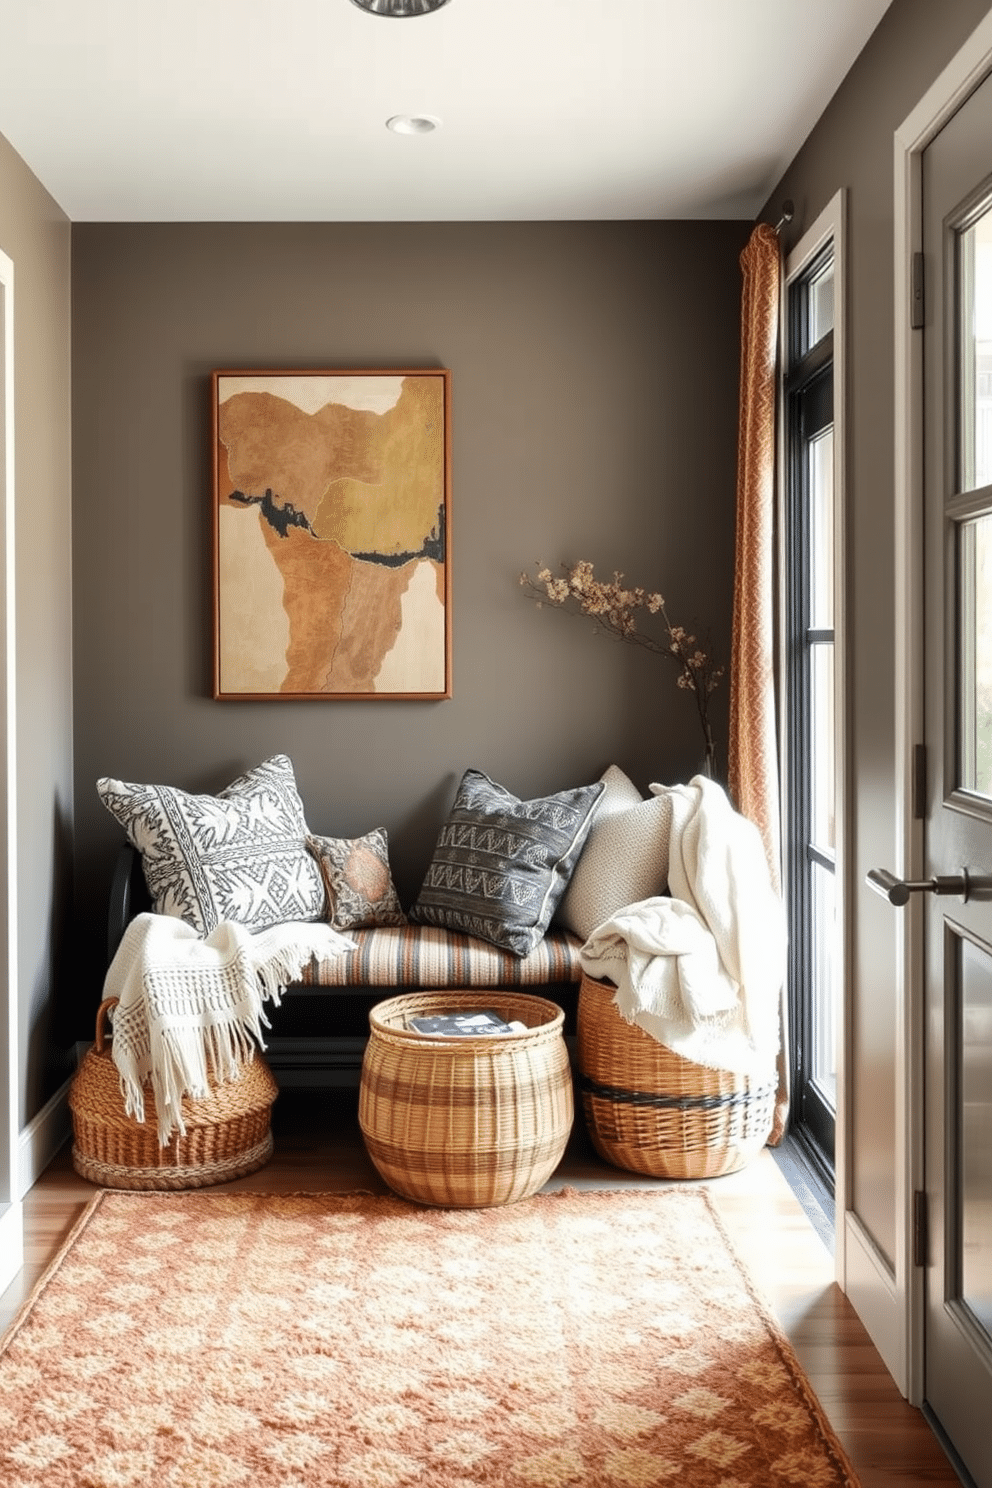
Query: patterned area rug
[{"x": 202, "y": 1340}]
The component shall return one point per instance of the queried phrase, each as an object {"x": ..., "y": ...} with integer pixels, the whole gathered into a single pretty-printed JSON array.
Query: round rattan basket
[
  {"x": 228, "y": 1133},
  {"x": 651, "y": 1111},
  {"x": 466, "y": 1122}
]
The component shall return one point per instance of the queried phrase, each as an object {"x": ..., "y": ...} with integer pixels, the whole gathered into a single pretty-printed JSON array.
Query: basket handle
[{"x": 101, "y": 1016}]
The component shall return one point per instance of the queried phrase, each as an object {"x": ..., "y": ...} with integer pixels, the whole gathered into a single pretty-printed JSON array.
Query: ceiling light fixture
[
  {"x": 413, "y": 123},
  {"x": 399, "y": 8}
]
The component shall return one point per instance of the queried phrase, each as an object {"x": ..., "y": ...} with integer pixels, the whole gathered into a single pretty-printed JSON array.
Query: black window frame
[{"x": 808, "y": 411}]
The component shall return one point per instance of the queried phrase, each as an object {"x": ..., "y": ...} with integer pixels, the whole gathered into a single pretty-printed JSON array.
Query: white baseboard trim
[
  {"x": 42, "y": 1137},
  {"x": 11, "y": 1243}
]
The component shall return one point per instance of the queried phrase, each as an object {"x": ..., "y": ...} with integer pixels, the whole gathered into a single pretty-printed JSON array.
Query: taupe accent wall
[
  {"x": 595, "y": 371},
  {"x": 852, "y": 147},
  {"x": 35, "y": 235}
]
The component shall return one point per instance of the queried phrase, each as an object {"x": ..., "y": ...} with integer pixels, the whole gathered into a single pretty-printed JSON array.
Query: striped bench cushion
[{"x": 424, "y": 956}]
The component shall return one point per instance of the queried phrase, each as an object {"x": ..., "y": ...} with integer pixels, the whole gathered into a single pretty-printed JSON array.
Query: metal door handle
[{"x": 898, "y": 890}]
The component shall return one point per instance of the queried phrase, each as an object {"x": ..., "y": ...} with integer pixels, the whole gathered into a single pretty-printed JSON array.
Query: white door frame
[
  {"x": 898, "y": 1330},
  {"x": 11, "y": 1222}
]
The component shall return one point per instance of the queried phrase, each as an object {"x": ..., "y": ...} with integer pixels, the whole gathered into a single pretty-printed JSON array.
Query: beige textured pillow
[{"x": 625, "y": 858}]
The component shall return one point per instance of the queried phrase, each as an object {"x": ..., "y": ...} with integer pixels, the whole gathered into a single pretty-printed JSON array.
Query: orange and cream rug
[{"x": 204, "y": 1340}]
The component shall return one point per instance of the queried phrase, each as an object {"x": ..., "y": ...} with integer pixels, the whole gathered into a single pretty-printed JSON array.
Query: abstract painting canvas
[{"x": 331, "y": 534}]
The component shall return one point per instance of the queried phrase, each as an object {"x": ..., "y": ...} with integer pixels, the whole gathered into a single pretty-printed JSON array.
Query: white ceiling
[{"x": 275, "y": 110}]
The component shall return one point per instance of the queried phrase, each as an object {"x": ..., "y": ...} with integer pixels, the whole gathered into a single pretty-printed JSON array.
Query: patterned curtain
[{"x": 753, "y": 752}]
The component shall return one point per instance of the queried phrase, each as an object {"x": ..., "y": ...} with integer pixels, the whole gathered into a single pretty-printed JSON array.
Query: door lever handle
[{"x": 898, "y": 890}]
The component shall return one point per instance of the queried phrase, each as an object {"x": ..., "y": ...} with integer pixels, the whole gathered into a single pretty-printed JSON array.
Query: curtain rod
[{"x": 788, "y": 212}]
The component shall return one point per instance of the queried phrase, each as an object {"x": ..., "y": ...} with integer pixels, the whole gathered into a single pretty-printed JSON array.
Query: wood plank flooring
[{"x": 319, "y": 1148}]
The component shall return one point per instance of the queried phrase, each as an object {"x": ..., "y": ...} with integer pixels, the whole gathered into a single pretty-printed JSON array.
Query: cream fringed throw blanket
[
  {"x": 701, "y": 971},
  {"x": 190, "y": 1008}
]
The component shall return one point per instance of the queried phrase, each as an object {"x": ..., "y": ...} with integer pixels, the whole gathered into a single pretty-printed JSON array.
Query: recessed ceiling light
[
  {"x": 412, "y": 123},
  {"x": 399, "y": 8}
]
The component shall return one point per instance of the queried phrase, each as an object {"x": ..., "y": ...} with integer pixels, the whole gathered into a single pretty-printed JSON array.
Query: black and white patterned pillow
[
  {"x": 502, "y": 864},
  {"x": 240, "y": 855}
]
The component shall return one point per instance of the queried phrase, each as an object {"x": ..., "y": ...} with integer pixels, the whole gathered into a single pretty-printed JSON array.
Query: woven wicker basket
[
  {"x": 652, "y": 1111},
  {"x": 228, "y": 1133},
  {"x": 466, "y": 1122}
]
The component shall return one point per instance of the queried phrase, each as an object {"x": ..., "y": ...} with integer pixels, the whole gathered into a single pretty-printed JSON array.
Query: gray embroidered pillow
[
  {"x": 359, "y": 885},
  {"x": 501, "y": 864},
  {"x": 240, "y": 855}
]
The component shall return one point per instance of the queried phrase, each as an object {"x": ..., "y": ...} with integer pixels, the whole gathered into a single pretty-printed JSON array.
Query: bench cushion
[{"x": 424, "y": 956}]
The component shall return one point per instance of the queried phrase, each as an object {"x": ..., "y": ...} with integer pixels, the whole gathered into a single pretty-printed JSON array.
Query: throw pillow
[
  {"x": 240, "y": 855},
  {"x": 625, "y": 859},
  {"x": 501, "y": 864},
  {"x": 359, "y": 885}
]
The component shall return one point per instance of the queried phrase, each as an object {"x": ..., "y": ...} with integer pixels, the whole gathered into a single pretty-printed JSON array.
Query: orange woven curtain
[{"x": 753, "y": 752}]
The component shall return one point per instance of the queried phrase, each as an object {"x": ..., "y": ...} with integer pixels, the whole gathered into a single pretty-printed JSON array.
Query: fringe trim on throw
[{"x": 191, "y": 1011}]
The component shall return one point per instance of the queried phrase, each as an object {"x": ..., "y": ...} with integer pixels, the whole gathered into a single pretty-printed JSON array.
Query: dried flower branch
[{"x": 615, "y": 608}]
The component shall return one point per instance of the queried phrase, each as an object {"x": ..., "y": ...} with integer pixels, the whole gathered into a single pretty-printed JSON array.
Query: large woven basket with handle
[
  {"x": 466, "y": 1122},
  {"x": 651, "y": 1111},
  {"x": 228, "y": 1133}
]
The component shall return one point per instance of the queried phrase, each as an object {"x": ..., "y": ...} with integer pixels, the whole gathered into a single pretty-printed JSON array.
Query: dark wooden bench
[{"x": 320, "y": 1029}]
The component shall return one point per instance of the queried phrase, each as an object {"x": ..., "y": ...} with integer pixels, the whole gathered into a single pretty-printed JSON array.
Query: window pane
[
  {"x": 824, "y": 1000},
  {"x": 809, "y": 575},
  {"x": 975, "y": 269},
  {"x": 820, "y": 303},
  {"x": 820, "y": 455},
  {"x": 822, "y": 745},
  {"x": 975, "y": 701},
  {"x": 975, "y": 1159}
]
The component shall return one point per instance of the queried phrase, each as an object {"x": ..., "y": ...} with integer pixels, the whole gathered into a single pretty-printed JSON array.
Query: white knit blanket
[
  {"x": 702, "y": 971},
  {"x": 191, "y": 1009}
]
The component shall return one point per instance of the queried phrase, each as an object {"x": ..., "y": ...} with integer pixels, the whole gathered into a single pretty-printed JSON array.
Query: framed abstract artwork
[{"x": 331, "y": 500}]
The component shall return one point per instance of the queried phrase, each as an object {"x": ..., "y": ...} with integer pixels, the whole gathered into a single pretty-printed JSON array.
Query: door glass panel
[
  {"x": 975, "y": 654},
  {"x": 821, "y": 763},
  {"x": 975, "y": 278},
  {"x": 824, "y": 1005},
  {"x": 975, "y": 1128},
  {"x": 821, "y": 529}
]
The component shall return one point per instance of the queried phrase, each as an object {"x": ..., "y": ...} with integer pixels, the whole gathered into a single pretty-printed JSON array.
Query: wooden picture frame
[{"x": 331, "y": 523}]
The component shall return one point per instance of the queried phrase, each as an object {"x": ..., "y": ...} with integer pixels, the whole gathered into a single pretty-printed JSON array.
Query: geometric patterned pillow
[
  {"x": 359, "y": 885},
  {"x": 240, "y": 855},
  {"x": 501, "y": 864},
  {"x": 624, "y": 860}
]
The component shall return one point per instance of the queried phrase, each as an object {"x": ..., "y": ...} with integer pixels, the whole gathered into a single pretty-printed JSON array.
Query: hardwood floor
[{"x": 319, "y": 1148}]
